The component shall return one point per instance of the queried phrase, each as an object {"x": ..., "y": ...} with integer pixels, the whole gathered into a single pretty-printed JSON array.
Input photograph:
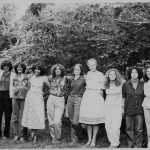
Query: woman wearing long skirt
[
  {"x": 34, "y": 112},
  {"x": 113, "y": 106},
  {"x": 92, "y": 104}
]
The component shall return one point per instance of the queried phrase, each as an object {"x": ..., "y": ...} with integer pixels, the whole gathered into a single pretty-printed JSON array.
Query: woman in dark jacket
[{"x": 133, "y": 95}]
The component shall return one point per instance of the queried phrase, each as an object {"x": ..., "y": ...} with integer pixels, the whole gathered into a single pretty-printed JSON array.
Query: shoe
[
  {"x": 55, "y": 141},
  {"x": 4, "y": 137},
  {"x": 16, "y": 138},
  {"x": 92, "y": 145},
  {"x": 88, "y": 143}
]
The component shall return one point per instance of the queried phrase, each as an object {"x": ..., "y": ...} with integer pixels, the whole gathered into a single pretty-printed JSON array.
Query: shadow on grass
[{"x": 44, "y": 139}]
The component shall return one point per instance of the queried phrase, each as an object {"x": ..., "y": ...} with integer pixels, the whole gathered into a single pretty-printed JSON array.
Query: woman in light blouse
[{"x": 146, "y": 102}]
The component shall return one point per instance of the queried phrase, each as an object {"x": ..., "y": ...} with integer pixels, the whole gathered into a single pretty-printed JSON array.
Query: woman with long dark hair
[{"x": 56, "y": 101}]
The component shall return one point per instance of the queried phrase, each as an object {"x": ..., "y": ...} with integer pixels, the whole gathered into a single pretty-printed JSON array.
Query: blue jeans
[{"x": 134, "y": 130}]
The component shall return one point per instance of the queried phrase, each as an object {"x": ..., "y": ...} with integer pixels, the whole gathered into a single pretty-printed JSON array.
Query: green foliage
[{"x": 70, "y": 35}]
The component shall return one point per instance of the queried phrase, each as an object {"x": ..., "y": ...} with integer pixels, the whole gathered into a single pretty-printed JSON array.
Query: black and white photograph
[{"x": 74, "y": 74}]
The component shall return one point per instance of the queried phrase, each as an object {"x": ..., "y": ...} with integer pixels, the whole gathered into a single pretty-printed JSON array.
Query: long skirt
[
  {"x": 33, "y": 114},
  {"x": 92, "y": 108}
]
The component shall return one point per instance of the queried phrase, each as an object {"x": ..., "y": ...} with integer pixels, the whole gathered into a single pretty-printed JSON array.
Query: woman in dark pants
[
  {"x": 133, "y": 95},
  {"x": 5, "y": 100},
  {"x": 76, "y": 86}
]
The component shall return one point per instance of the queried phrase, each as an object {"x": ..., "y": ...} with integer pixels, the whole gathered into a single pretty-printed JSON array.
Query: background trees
[{"x": 71, "y": 34}]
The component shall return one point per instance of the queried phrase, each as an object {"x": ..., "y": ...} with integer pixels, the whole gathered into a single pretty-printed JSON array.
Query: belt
[
  {"x": 76, "y": 95},
  {"x": 57, "y": 95}
]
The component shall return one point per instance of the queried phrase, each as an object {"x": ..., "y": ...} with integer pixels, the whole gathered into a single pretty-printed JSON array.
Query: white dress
[
  {"x": 113, "y": 113},
  {"x": 92, "y": 104},
  {"x": 34, "y": 113}
]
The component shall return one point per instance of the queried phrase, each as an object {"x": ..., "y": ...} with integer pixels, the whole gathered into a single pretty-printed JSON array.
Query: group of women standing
[{"x": 85, "y": 102}]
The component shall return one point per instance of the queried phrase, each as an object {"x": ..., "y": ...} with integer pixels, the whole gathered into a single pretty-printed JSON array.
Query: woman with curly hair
[
  {"x": 146, "y": 102},
  {"x": 56, "y": 101},
  {"x": 20, "y": 88},
  {"x": 113, "y": 106},
  {"x": 34, "y": 112},
  {"x": 133, "y": 95}
]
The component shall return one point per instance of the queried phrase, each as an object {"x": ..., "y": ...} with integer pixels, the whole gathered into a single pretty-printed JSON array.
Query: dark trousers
[
  {"x": 134, "y": 130},
  {"x": 73, "y": 113},
  {"x": 5, "y": 107}
]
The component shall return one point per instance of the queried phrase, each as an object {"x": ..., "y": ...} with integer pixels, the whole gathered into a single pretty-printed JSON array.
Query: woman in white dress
[
  {"x": 92, "y": 104},
  {"x": 34, "y": 114},
  {"x": 146, "y": 102},
  {"x": 113, "y": 106}
]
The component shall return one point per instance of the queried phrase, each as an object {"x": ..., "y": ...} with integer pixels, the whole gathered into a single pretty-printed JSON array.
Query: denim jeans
[
  {"x": 73, "y": 107},
  {"x": 134, "y": 129}
]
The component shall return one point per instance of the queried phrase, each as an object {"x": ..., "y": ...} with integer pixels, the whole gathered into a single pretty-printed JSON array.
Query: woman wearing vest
[{"x": 5, "y": 96}]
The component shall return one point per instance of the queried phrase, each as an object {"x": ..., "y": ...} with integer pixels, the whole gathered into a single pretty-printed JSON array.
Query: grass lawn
[{"x": 44, "y": 139}]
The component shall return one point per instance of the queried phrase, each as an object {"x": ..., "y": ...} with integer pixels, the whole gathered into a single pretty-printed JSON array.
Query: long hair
[
  {"x": 145, "y": 76},
  {"x": 81, "y": 68},
  {"x": 54, "y": 67},
  {"x": 118, "y": 80},
  {"x": 40, "y": 67},
  {"x": 6, "y": 63},
  {"x": 139, "y": 71},
  {"x": 23, "y": 66}
]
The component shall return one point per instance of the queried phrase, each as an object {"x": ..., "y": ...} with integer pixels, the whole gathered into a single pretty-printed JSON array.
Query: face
[
  {"x": 92, "y": 65},
  {"x": 19, "y": 69},
  {"x": 134, "y": 74},
  {"x": 37, "y": 72},
  {"x": 6, "y": 68},
  {"x": 77, "y": 70},
  {"x": 112, "y": 75},
  {"x": 148, "y": 72},
  {"x": 58, "y": 71}
]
